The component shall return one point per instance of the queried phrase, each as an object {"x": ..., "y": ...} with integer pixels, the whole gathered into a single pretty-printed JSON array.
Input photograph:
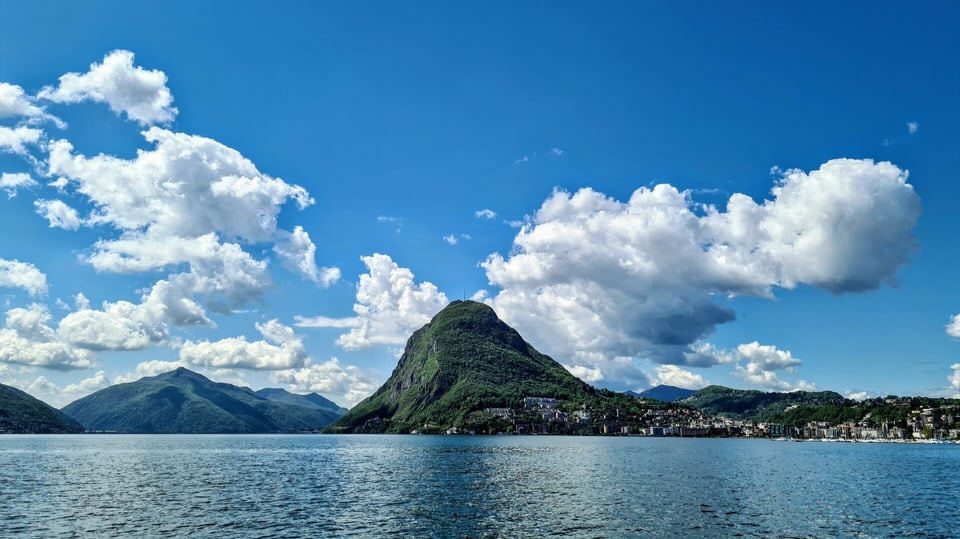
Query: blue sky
[{"x": 751, "y": 194}]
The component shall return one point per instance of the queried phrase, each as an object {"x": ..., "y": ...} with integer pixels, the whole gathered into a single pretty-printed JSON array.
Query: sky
[{"x": 752, "y": 194}]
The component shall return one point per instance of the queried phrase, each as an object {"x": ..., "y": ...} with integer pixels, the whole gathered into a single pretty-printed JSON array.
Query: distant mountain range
[
  {"x": 21, "y": 413},
  {"x": 663, "y": 393},
  {"x": 182, "y": 401}
]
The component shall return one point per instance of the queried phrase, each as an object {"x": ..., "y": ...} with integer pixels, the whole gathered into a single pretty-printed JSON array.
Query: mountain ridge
[
  {"x": 183, "y": 401},
  {"x": 22, "y": 413}
]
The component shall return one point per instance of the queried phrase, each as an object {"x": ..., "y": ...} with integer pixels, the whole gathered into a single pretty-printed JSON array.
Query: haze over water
[{"x": 309, "y": 486}]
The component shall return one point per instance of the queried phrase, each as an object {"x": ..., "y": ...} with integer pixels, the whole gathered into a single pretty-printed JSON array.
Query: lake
[{"x": 472, "y": 486}]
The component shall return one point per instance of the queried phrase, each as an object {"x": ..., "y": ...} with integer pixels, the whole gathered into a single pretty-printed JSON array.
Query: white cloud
[
  {"x": 280, "y": 349},
  {"x": 58, "y": 214},
  {"x": 10, "y": 182},
  {"x": 118, "y": 326},
  {"x": 16, "y": 274},
  {"x": 761, "y": 365},
  {"x": 454, "y": 239},
  {"x": 859, "y": 395},
  {"x": 590, "y": 276},
  {"x": 556, "y": 151},
  {"x": 298, "y": 254},
  {"x": 15, "y": 139},
  {"x": 913, "y": 127},
  {"x": 142, "y": 95},
  {"x": 954, "y": 379},
  {"x": 192, "y": 201},
  {"x": 326, "y": 322},
  {"x": 522, "y": 160},
  {"x": 187, "y": 186},
  {"x": 485, "y": 214},
  {"x": 26, "y": 339},
  {"x": 390, "y": 306},
  {"x": 672, "y": 375},
  {"x": 123, "y": 325},
  {"x": 14, "y": 102},
  {"x": 953, "y": 328},
  {"x": 345, "y": 385}
]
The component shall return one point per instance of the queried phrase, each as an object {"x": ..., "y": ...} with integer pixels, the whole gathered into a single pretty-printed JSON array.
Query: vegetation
[
  {"x": 464, "y": 361},
  {"x": 663, "y": 393},
  {"x": 757, "y": 405},
  {"x": 22, "y": 414},
  {"x": 183, "y": 401}
]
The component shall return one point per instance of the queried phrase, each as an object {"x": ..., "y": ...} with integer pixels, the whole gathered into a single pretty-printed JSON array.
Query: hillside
[
  {"x": 21, "y": 413},
  {"x": 465, "y": 360},
  {"x": 310, "y": 400},
  {"x": 183, "y": 401},
  {"x": 664, "y": 393},
  {"x": 752, "y": 404}
]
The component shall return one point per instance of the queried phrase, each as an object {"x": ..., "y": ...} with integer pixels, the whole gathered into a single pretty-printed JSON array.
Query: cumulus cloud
[
  {"x": 344, "y": 384},
  {"x": 16, "y": 139},
  {"x": 758, "y": 365},
  {"x": 117, "y": 326},
  {"x": 15, "y": 103},
  {"x": 912, "y": 127},
  {"x": 590, "y": 276},
  {"x": 485, "y": 214},
  {"x": 192, "y": 201},
  {"x": 953, "y": 328},
  {"x": 16, "y": 274},
  {"x": 298, "y": 254},
  {"x": 27, "y": 339},
  {"x": 390, "y": 306},
  {"x": 10, "y": 182},
  {"x": 280, "y": 349},
  {"x": 672, "y": 375},
  {"x": 58, "y": 214},
  {"x": 140, "y": 94},
  {"x": 954, "y": 378}
]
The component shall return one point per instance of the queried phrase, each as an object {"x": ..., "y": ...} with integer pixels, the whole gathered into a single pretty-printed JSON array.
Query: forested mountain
[
  {"x": 21, "y": 413},
  {"x": 183, "y": 401},
  {"x": 464, "y": 361}
]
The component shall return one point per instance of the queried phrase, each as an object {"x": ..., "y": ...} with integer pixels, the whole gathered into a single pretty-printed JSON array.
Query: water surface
[{"x": 448, "y": 486}]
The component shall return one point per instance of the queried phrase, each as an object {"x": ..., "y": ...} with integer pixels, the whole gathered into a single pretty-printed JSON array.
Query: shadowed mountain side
[
  {"x": 21, "y": 413},
  {"x": 310, "y": 400},
  {"x": 182, "y": 401},
  {"x": 663, "y": 393}
]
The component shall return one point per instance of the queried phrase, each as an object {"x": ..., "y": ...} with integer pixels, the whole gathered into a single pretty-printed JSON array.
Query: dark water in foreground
[{"x": 422, "y": 486}]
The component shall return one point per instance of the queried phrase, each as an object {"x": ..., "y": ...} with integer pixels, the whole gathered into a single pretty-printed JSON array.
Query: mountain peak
[{"x": 464, "y": 360}]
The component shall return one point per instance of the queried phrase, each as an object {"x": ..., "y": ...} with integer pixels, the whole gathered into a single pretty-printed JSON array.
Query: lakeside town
[{"x": 542, "y": 415}]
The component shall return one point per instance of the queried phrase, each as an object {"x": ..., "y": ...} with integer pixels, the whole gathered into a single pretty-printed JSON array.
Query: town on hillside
[{"x": 543, "y": 415}]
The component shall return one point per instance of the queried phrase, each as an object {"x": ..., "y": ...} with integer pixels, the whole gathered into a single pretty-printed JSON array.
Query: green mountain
[
  {"x": 22, "y": 414},
  {"x": 183, "y": 401},
  {"x": 465, "y": 360},
  {"x": 663, "y": 393},
  {"x": 759, "y": 405},
  {"x": 310, "y": 400}
]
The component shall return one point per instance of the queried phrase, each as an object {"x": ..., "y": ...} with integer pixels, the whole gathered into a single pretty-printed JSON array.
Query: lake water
[{"x": 448, "y": 486}]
